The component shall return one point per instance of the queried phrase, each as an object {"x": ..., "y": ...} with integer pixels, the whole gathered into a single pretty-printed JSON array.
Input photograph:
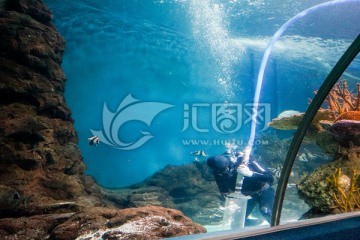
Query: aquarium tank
[{"x": 121, "y": 117}]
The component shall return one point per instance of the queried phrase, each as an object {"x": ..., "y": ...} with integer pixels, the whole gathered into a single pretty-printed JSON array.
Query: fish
[
  {"x": 306, "y": 155},
  {"x": 94, "y": 141},
  {"x": 310, "y": 154},
  {"x": 276, "y": 171},
  {"x": 302, "y": 157},
  {"x": 288, "y": 113},
  {"x": 199, "y": 153},
  {"x": 290, "y": 185}
]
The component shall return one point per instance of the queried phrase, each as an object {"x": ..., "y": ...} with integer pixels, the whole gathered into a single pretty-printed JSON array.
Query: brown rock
[
  {"x": 346, "y": 131},
  {"x": 9, "y": 198},
  {"x": 36, "y": 227},
  {"x": 38, "y": 153},
  {"x": 193, "y": 191},
  {"x": 132, "y": 223},
  {"x": 34, "y": 8}
]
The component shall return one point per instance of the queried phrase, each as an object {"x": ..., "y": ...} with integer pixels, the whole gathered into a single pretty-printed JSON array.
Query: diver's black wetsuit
[{"x": 257, "y": 186}]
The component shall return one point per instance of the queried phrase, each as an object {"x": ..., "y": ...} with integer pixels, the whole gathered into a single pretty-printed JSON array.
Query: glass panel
[
  {"x": 325, "y": 173},
  {"x": 166, "y": 84}
]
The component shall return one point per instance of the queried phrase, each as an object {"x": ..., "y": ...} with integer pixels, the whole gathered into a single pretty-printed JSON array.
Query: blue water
[{"x": 194, "y": 56}]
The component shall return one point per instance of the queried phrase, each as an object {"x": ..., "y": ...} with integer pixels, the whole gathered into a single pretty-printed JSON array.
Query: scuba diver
[{"x": 256, "y": 183}]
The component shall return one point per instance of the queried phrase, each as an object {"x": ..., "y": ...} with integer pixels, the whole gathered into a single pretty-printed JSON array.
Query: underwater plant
[{"x": 346, "y": 191}]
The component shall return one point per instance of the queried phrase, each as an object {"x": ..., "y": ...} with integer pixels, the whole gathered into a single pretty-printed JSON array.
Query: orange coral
[
  {"x": 341, "y": 100},
  {"x": 351, "y": 115}
]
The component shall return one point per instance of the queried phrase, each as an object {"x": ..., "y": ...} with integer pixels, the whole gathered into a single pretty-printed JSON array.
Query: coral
[
  {"x": 292, "y": 122},
  {"x": 351, "y": 115},
  {"x": 341, "y": 100},
  {"x": 346, "y": 192}
]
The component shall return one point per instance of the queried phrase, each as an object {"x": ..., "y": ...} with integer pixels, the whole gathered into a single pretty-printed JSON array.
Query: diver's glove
[{"x": 244, "y": 170}]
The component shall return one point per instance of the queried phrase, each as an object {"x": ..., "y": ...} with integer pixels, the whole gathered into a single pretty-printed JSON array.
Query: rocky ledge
[
  {"x": 101, "y": 223},
  {"x": 44, "y": 192}
]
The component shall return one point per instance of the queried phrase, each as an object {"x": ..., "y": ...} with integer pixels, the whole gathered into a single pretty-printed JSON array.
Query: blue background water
[{"x": 187, "y": 53}]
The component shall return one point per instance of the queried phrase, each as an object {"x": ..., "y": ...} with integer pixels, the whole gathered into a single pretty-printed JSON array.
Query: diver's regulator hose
[{"x": 240, "y": 177}]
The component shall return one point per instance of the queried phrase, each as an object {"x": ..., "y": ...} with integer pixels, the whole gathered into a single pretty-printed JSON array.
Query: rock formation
[
  {"x": 334, "y": 187},
  {"x": 43, "y": 190},
  {"x": 38, "y": 156},
  {"x": 192, "y": 190},
  {"x": 101, "y": 223}
]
